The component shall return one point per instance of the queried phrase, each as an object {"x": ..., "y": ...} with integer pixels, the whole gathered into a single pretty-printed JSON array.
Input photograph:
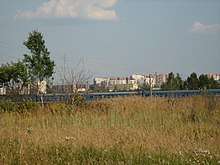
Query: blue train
[
  {"x": 183, "y": 93},
  {"x": 92, "y": 96},
  {"x": 177, "y": 93}
]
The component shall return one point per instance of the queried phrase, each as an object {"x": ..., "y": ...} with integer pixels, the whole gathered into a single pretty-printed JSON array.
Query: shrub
[
  {"x": 78, "y": 100},
  {"x": 27, "y": 106},
  {"x": 7, "y": 106}
]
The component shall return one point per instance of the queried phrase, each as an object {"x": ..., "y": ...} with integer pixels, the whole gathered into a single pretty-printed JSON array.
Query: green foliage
[
  {"x": 27, "y": 106},
  {"x": 12, "y": 152},
  {"x": 173, "y": 82},
  {"x": 77, "y": 100},
  {"x": 14, "y": 75},
  {"x": 201, "y": 157},
  {"x": 33, "y": 68},
  {"x": 192, "y": 82},
  {"x": 7, "y": 106},
  {"x": 5, "y": 74},
  {"x": 204, "y": 82},
  {"x": 213, "y": 84},
  {"x": 145, "y": 87},
  {"x": 39, "y": 64}
]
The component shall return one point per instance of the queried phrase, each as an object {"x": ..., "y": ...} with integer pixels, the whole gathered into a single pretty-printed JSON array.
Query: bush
[
  {"x": 78, "y": 100},
  {"x": 7, "y": 106},
  {"x": 27, "y": 106}
]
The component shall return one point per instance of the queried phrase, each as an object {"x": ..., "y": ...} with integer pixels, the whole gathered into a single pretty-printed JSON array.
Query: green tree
[
  {"x": 173, "y": 82},
  {"x": 145, "y": 87},
  {"x": 168, "y": 85},
  {"x": 204, "y": 82},
  {"x": 193, "y": 82},
  {"x": 39, "y": 64},
  {"x": 213, "y": 84},
  {"x": 14, "y": 76},
  {"x": 179, "y": 82},
  {"x": 5, "y": 74}
]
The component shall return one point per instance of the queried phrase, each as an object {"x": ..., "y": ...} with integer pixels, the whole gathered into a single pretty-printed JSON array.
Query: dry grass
[{"x": 152, "y": 125}]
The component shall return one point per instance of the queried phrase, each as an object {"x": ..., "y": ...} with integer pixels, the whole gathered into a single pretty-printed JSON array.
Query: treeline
[{"x": 193, "y": 82}]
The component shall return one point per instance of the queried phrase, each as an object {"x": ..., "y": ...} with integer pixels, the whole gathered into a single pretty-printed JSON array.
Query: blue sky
[{"x": 117, "y": 37}]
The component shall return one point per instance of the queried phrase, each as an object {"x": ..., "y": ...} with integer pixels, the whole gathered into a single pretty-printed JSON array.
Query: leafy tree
[
  {"x": 179, "y": 82},
  {"x": 170, "y": 81},
  {"x": 145, "y": 87},
  {"x": 213, "y": 84},
  {"x": 5, "y": 75},
  {"x": 204, "y": 82},
  {"x": 193, "y": 82},
  {"x": 173, "y": 82},
  {"x": 40, "y": 66},
  {"x": 14, "y": 76}
]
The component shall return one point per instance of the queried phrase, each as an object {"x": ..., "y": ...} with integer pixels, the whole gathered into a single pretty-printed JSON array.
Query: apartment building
[
  {"x": 161, "y": 78},
  {"x": 129, "y": 83},
  {"x": 215, "y": 76},
  {"x": 123, "y": 87}
]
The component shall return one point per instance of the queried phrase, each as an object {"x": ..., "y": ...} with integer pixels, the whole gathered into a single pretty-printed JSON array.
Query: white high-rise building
[
  {"x": 215, "y": 76},
  {"x": 100, "y": 80},
  {"x": 137, "y": 77}
]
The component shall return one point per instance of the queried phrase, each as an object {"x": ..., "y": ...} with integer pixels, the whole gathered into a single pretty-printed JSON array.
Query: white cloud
[
  {"x": 198, "y": 27},
  {"x": 88, "y": 9}
]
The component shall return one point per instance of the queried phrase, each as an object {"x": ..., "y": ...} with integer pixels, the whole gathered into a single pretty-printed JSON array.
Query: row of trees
[
  {"x": 193, "y": 82},
  {"x": 32, "y": 69}
]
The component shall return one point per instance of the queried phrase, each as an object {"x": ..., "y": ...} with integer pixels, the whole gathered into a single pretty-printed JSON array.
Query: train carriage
[{"x": 93, "y": 96}]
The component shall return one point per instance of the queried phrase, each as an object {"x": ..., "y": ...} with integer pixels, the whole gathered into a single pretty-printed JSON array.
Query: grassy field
[{"x": 132, "y": 130}]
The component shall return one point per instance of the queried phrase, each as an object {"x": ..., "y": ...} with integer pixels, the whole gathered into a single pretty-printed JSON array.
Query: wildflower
[
  {"x": 29, "y": 130},
  {"x": 206, "y": 152},
  {"x": 69, "y": 138}
]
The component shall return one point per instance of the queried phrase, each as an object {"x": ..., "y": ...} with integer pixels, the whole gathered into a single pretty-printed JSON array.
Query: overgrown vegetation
[
  {"x": 22, "y": 107},
  {"x": 132, "y": 130}
]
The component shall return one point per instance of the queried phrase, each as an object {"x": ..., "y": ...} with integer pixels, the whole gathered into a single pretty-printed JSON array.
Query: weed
[{"x": 132, "y": 130}]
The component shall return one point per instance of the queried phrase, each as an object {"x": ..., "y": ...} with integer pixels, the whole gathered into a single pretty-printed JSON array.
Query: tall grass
[{"x": 131, "y": 130}]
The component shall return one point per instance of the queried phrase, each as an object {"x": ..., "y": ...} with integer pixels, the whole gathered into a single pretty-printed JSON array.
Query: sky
[{"x": 117, "y": 37}]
